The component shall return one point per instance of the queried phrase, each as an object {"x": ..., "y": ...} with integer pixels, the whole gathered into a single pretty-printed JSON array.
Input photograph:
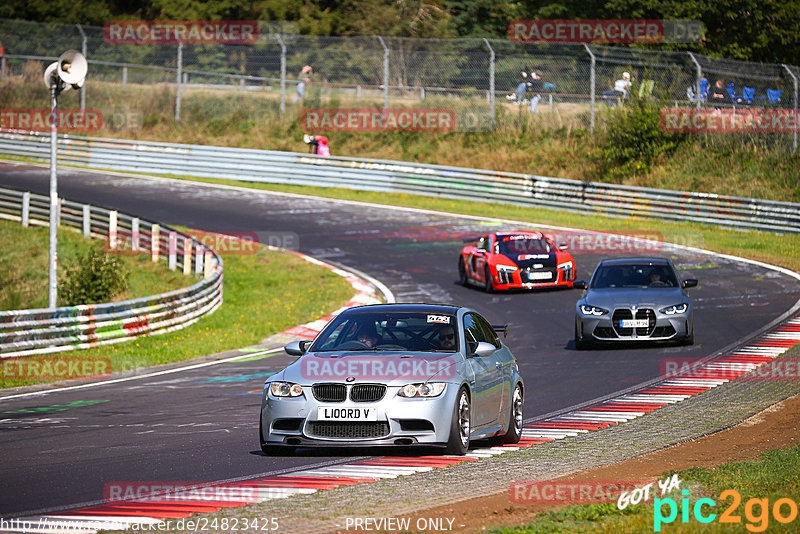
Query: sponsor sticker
[{"x": 443, "y": 319}]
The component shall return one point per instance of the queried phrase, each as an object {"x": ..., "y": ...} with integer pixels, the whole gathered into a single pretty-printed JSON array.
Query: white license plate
[
  {"x": 362, "y": 413},
  {"x": 634, "y": 323},
  {"x": 540, "y": 276}
]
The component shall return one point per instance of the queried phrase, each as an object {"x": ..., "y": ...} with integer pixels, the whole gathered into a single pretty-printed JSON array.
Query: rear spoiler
[
  {"x": 471, "y": 239},
  {"x": 501, "y": 329}
]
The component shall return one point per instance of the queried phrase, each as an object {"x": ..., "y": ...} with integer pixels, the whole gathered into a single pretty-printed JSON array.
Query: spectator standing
[
  {"x": 305, "y": 78},
  {"x": 318, "y": 144}
]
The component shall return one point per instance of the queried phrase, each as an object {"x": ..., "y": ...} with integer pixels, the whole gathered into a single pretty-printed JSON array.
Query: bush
[
  {"x": 634, "y": 140},
  {"x": 95, "y": 277}
]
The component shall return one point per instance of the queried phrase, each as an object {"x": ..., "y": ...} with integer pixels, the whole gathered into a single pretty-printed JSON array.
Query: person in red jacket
[{"x": 319, "y": 145}]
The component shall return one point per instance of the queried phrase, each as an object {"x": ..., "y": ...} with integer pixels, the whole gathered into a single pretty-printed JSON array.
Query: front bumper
[
  {"x": 605, "y": 328},
  {"x": 293, "y": 421}
]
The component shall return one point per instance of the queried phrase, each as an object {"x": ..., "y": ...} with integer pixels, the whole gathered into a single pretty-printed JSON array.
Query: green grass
[
  {"x": 264, "y": 293},
  {"x": 24, "y": 271}
]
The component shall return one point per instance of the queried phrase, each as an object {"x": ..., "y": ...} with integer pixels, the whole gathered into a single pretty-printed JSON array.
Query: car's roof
[
  {"x": 635, "y": 261},
  {"x": 404, "y": 308},
  {"x": 535, "y": 233}
]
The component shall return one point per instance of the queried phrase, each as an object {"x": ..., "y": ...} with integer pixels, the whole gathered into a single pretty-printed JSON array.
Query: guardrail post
[
  {"x": 385, "y": 73},
  {"x": 178, "y": 82},
  {"x": 591, "y": 86},
  {"x": 112, "y": 229},
  {"x": 207, "y": 264},
  {"x": 26, "y": 208},
  {"x": 173, "y": 252},
  {"x": 83, "y": 51},
  {"x": 283, "y": 74},
  {"x": 187, "y": 256},
  {"x": 697, "y": 92},
  {"x": 135, "y": 234},
  {"x": 3, "y": 66},
  {"x": 198, "y": 259},
  {"x": 87, "y": 220},
  {"x": 794, "y": 82},
  {"x": 124, "y": 76},
  {"x": 491, "y": 81},
  {"x": 155, "y": 242}
]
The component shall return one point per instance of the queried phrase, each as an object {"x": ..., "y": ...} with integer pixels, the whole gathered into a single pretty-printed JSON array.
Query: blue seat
[
  {"x": 773, "y": 96},
  {"x": 748, "y": 94},
  {"x": 690, "y": 92}
]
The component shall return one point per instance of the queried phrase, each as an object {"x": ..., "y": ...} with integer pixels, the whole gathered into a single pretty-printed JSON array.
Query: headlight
[
  {"x": 592, "y": 310},
  {"x": 285, "y": 389},
  {"x": 425, "y": 389},
  {"x": 676, "y": 309}
]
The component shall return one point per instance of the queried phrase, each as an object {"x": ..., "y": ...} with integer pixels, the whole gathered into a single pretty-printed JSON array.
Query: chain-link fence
[{"x": 479, "y": 80}]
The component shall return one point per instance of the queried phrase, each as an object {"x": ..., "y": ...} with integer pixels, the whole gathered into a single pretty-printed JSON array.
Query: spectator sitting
[
  {"x": 620, "y": 90},
  {"x": 522, "y": 88},
  {"x": 718, "y": 93}
]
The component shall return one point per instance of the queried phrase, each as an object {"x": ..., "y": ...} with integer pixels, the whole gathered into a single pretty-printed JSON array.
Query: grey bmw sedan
[
  {"x": 395, "y": 374},
  {"x": 634, "y": 299}
]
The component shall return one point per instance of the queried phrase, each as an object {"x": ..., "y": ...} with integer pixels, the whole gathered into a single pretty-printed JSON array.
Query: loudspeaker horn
[{"x": 72, "y": 67}]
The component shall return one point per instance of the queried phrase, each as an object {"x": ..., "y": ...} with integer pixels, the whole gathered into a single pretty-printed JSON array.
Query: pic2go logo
[{"x": 756, "y": 511}]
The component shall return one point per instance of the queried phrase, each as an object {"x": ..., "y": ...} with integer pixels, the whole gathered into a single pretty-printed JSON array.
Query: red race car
[{"x": 512, "y": 260}]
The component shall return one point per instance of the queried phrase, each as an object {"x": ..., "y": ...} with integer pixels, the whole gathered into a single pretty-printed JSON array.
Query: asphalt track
[{"x": 61, "y": 449}]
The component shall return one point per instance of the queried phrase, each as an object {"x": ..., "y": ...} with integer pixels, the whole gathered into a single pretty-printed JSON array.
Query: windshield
[
  {"x": 417, "y": 332},
  {"x": 514, "y": 245},
  {"x": 638, "y": 275}
]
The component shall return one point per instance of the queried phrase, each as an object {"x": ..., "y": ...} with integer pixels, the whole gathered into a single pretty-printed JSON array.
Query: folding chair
[{"x": 748, "y": 95}]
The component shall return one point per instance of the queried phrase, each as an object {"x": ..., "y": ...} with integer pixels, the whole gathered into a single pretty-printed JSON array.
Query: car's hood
[
  {"x": 640, "y": 297},
  {"x": 383, "y": 367}
]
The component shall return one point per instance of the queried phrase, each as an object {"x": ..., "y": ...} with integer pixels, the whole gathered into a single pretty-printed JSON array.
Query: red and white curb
[{"x": 123, "y": 514}]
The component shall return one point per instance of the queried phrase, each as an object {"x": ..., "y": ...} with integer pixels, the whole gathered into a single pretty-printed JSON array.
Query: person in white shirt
[{"x": 620, "y": 91}]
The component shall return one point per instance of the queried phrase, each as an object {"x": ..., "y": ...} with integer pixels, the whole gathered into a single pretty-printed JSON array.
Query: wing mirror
[
  {"x": 563, "y": 246},
  {"x": 297, "y": 348},
  {"x": 484, "y": 349},
  {"x": 579, "y": 284},
  {"x": 689, "y": 282}
]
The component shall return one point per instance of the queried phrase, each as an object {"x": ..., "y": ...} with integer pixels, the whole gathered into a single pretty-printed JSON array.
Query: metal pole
[
  {"x": 178, "y": 92},
  {"x": 697, "y": 94},
  {"x": 491, "y": 81},
  {"x": 52, "y": 293},
  {"x": 283, "y": 74},
  {"x": 124, "y": 77},
  {"x": 83, "y": 51},
  {"x": 794, "y": 83},
  {"x": 591, "y": 87},
  {"x": 385, "y": 73}
]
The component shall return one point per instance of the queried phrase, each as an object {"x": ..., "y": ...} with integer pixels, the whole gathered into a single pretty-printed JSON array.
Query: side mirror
[
  {"x": 563, "y": 246},
  {"x": 689, "y": 282},
  {"x": 484, "y": 349},
  {"x": 296, "y": 348},
  {"x": 579, "y": 284}
]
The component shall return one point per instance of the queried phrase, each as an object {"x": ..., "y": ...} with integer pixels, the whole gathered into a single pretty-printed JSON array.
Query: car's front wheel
[
  {"x": 488, "y": 285},
  {"x": 514, "y": 431},
  {"x": 460, "y": 425},
  {"x": 271, "y": 450},
  {"x": 580, "y": 344},
  {"x": 462, "y": 271}
]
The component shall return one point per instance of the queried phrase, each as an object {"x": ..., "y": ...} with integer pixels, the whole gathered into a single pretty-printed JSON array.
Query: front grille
[
  {"x": 348, "y": 429},
  {"x": 367, "y": 392},
  {"x": 504, "y": 276},
  {"x": 619, "y": 315},
  {"x": 650, "y": 315},
  {"x": 624, "y": 313},
  {"x": 530, "y": 270},
  {"x": 330, "y": 392}
]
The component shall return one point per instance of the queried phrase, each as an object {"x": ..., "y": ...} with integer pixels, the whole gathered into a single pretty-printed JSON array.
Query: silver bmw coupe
[{"x": 395, "y": 374}]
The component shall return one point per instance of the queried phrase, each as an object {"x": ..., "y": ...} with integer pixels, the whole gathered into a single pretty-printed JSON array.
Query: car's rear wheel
[
  {"x": 462, "y": 271},
  {"x": 514, "y": 432},
  {"x": 488, "y": 285},
  {"x": 458, "y": 443}
]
